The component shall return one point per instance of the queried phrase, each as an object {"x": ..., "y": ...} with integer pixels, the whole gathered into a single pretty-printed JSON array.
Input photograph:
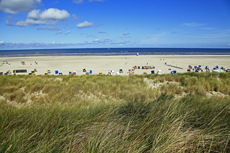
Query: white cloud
[
  {"x": 54, "y": 42},
  {"x": 50, "y": 16},
  {"x": 9, "y": 20},
  {"x": 75, "y": 17},
  {"x": 81, "y": 1},
  {"x": 125, "y": 34},
  {"x": 96, "y": 0},
  {"x": 78, "y": 1},
  {"x": 101, "y": 31},
  {"x": 85, "y": 24},
  {"x": 59, "y": 32},
  {"x": 17, "y": 6},
  {"x": 209, "y": 28},
  {"x": 48, "y": 28},
  {"x": 29, "y": 22},
  {"x": 68, "y": 32},
  {"x": 192, "y": 24}
]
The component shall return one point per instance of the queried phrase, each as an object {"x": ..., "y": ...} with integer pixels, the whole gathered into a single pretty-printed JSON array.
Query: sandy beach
[{"x": 97, "y": 64}]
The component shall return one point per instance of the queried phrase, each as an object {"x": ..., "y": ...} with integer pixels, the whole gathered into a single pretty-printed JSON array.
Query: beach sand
[{"x": 102, "y": 64}]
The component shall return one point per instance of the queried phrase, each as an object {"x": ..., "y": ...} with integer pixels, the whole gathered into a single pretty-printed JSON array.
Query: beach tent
[
  {"x": 152, "y": 72},
  {"x": 120, "y": 71},
  {"x": 174, "y": 71},
  {"x": 145, "y": 72},
  {"x": 74, "y": 72},
  {"x": 90, "y": 71},
  {"x": 117, "y": 73},
  {"x": 48, "y": 71},
  {"x": 56, "y": 71},
  {"x": 159, "y": 71}
]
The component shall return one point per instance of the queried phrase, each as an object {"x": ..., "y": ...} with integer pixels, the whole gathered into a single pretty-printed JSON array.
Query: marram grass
[{"x": 186, "y": 113}]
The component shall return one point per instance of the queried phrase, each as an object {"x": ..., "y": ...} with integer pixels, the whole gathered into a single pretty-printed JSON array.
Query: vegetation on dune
[{"x": 186, "y": 113}]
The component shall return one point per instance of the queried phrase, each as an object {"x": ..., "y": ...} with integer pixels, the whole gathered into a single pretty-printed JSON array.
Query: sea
[{"x": 114, "y": 52}]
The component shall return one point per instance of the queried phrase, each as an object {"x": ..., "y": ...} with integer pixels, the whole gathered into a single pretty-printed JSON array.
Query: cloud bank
[
  {"x": 50, "y": 16},
  {"x": 18, "y": 6}
]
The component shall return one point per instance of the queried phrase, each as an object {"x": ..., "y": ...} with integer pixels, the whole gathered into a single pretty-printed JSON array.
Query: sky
[{"x": 38, "y": 24}]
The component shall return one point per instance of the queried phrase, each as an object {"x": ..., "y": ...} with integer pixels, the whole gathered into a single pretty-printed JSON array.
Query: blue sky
[{"x": 114, "y": 23}]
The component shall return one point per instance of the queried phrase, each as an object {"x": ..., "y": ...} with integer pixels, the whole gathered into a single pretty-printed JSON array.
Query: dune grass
[{"x": 115, "y": 113}]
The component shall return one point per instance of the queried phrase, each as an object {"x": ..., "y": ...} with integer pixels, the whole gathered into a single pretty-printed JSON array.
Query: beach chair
[
  {"x": 35, "y": 70},
  {"x": 70, "y": 72},
  {"x": 143, "y": 67},
  {"x": 139, "y": 67},
  {"x": 90, "y": 71},
  {"x": 74, "y": 72},
  {"x": 1, "y": 73},
  {"x": 152, "y": 72},
  {"x": 84, "y": 70},
  {"x": 100, "y": 73},
  {"x": 145, "y": 73},
  {"x": 87, "y": 73},
  {"x": 56, "y": 71},
  {"x": 120, "y": 71},
  {"x": 60, "y": 73},
  {"x": 159, "y": 72},
  {"x": 130, "y": 72},
  {"x": 117, "y": 73},
  {"x": 48, "y": 71}
]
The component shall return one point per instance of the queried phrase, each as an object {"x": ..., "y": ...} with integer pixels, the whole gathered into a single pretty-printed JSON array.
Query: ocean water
[{"x": 115, "y": 51}]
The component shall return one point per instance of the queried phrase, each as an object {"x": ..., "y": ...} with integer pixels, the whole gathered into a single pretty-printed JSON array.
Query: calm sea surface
[{"x": 114, "y": 51}]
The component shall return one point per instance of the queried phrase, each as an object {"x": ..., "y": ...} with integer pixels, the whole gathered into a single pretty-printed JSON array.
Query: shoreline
[{"x": 105, "y": 63}]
